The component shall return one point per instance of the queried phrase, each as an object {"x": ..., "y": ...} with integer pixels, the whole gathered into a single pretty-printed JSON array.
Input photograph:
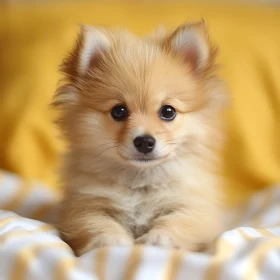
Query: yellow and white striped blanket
[{"x": 30, "y": 249}]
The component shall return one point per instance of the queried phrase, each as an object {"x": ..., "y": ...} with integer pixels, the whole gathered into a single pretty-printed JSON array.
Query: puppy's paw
[
  {"x": 107, "y": 240},
  {"x": 159, "y": 237}
]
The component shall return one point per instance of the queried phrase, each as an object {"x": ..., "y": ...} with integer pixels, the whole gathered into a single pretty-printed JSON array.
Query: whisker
[
  {"x": 104, "y": 150},
  {"x": 108, "y": 143}
]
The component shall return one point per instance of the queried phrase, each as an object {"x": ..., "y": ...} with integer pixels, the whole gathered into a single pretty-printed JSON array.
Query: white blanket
[{"x": 30, "y": 249}]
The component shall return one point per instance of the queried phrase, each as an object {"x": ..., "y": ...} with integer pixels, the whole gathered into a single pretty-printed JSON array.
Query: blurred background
[{"x": 36, "y": 35}]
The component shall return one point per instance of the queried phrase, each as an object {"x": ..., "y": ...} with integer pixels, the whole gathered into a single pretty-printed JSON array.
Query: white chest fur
[{"x": 142, "y": 206}]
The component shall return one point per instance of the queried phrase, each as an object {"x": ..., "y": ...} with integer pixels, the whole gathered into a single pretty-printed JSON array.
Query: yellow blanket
[{"x": 34, "y": 38}]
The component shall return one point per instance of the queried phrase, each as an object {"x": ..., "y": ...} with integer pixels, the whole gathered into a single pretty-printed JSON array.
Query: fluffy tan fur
[{"x": 111, "y": 198}]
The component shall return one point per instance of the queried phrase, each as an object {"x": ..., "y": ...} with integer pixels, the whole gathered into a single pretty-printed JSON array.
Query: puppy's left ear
[{"x": 191, "y": 42}]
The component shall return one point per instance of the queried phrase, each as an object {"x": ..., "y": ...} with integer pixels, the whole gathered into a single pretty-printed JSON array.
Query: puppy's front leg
[
  {"x": 85, "y": 228},
  {"x": 185, "y": 230},
  {"x": 100, "y": 231}
]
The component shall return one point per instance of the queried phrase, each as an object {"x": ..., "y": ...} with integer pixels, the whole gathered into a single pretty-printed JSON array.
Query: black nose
[{"x": 144, "y": 144}]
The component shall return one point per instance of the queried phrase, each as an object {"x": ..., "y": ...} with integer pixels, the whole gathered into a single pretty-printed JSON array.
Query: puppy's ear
[
  {"x": 191, "y": 42},
  {"x": 91, "y": 42},
  {"x": 94, "y": 41}
]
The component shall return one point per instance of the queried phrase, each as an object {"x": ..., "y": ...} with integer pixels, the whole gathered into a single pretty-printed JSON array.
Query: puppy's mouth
[{"x": 144, "y": 160}]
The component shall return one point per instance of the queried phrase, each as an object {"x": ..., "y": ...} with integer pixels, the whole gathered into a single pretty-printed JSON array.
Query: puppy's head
[{"x": 137, "y": 101}]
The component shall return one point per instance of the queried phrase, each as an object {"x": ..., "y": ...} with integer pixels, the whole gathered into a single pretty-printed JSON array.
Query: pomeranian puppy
[{"x": 143, "y": 121}]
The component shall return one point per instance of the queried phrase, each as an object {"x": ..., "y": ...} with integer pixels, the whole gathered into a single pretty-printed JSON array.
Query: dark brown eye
[
  {"x": 167, "y": 113},
  {"x": 119, "y": 113}
]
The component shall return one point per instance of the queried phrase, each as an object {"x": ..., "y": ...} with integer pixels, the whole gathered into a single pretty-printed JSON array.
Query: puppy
[{"x": 143, "y": 120}]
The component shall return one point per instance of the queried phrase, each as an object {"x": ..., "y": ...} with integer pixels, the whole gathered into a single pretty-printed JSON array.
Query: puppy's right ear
[{"x": 91, "y": 42}]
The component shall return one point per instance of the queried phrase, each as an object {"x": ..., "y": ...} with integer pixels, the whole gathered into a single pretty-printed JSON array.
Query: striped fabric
[{"x": 30, "y": 249}]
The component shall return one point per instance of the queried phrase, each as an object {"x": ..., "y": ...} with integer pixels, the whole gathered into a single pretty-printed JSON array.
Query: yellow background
[{"x": 35, "y": 38}]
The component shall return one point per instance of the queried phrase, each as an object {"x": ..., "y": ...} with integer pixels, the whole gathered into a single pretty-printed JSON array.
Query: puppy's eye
[
  {"x": 119, "y": 113},
  {"x": 167, "y": 113}
]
